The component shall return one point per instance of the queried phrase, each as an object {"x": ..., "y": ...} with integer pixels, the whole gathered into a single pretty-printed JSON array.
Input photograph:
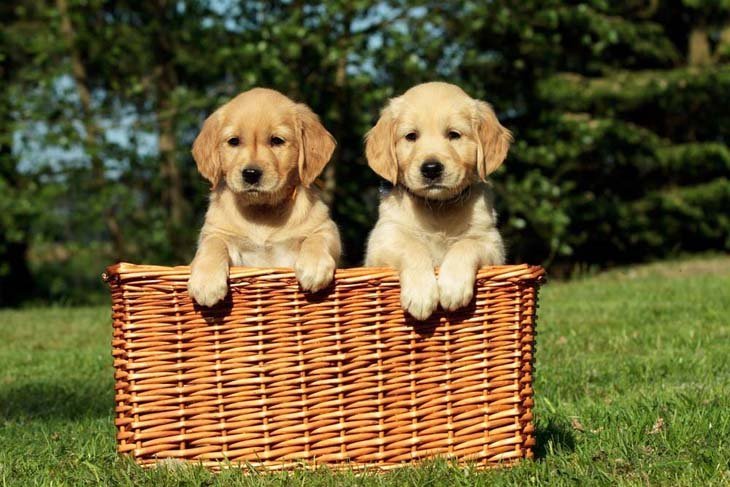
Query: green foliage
[
  {"x": 665, "y": 101},
  {"x": 597, "y": 418},
  {"x": 619, "y": 129},
  {"x": 619, "y": 112}
]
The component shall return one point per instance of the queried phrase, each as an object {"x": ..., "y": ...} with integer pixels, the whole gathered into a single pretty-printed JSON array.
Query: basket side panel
[
  {"x": 119, "y": 356},
  {"x": 156, "y": 365},
  {"x": 255, "y": 384},
  {"x": 500, "y": 307},
  {"x": 274, "y": 377},
  {"x": 528, "y": 308}
]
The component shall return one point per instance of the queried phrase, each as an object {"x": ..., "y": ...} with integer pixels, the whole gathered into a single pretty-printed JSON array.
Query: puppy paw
[
  {"x": 207, "y": 288},
  {"x": 419, "y": 293},
  {"x": 314, "y": 271},
  {"x": 456, "y": 287}
]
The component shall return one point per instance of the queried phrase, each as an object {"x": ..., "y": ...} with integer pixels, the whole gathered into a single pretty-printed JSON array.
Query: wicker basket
[{"x": 277, "y": 378}]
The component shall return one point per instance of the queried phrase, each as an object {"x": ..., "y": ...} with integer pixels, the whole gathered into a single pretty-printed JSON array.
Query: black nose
[
  {"x": 251, "y": 175},
  {"x": 432, "y": 169}
]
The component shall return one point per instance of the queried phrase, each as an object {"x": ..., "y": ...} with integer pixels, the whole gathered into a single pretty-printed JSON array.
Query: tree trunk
[
  {"x": 329, "y": 175},
  {"x": 16, "y": 281},
  {"x": 698, "y": 53},
  {"x": 173, "y": 192},
  {"x": 91, "y": 129},
  {"x": 166, "y": 112},
  {"x": 722, "y": 51},
  {"x": 342, "y": 125},
  {"x": 82, "y": 88}
]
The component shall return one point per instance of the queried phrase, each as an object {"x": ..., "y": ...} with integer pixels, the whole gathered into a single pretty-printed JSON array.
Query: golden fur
[
  {"x": 278, "y": 221},
  {"x": 449, "y": 222}
]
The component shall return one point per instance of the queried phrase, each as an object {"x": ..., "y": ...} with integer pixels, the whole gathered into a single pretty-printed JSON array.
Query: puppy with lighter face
[
  {"x": 261, "y": 152},
  {"x": 437, "y": 146}
]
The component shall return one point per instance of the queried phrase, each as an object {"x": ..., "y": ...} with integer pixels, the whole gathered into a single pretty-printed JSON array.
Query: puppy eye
[
  {"x": 277, "y": 141},
  {"x": 234, "y": 141},
  {"x": 411, "y": 136},
  {"x": 453, "y": 135}
]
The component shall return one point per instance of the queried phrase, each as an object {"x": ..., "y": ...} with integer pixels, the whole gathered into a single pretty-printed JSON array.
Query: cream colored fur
[
  {"x": 450, "y": 224},
  {"x": 280, "y": 221}
]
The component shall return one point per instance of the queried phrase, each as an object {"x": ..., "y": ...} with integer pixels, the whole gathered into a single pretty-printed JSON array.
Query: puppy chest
[
  {"x": 265, "y": 254},
  {"x": 437, "y": 244}
]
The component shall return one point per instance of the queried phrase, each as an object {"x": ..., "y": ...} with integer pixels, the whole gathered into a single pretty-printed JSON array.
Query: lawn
[{"x": 632, "y": 385}]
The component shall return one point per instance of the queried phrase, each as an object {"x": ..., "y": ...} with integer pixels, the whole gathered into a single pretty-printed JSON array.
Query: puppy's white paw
[
  {"x": 314, "y": 271},
  {"x": 419, "y": 293},
  {"x": 456, "y": 287},
  {"x": 208, "y": 288}
]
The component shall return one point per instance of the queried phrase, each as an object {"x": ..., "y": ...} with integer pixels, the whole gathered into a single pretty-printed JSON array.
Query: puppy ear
[
  {"x": 493, "y": 140},
  {"x": 380, "y": 146},
  {"x": 316, "y": 145},
  {"x": 205, "y": 150}
]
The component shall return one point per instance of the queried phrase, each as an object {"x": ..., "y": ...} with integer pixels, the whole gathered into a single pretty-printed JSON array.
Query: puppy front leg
[
  {"x": 460, "y": 265},
  {"x": 208, "y": 282},
  {"x": 419, "y": 292},
  {"x": 389, "y": 246},
  {"x": 318, "y": 256}
]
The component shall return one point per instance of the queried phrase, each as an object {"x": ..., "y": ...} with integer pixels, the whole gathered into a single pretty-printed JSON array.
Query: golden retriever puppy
[
  {"x": 437, "y": 146},
  {"x": 261, "y": 152}
]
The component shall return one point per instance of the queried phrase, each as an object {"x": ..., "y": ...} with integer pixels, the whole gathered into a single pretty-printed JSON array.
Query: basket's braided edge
[
  {"x": 277, "y": 379},
  {"x": 127, "y": 271},
  {"x": 119, "y": 355},
  {"x": 528, "y": 312}
]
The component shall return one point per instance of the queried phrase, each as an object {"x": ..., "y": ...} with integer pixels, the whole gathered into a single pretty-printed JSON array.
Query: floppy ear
[
  {"x": 205, "y": 150},
  {"x": 493, "y": 140},
  {"x": 380, "y": 147},
  {"x": 316, "y": 145}
]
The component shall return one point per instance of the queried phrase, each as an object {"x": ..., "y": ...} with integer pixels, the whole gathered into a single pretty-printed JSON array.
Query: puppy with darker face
[
  {"x": 436, "y": 145},
  {"x": 261, "y": 152}
]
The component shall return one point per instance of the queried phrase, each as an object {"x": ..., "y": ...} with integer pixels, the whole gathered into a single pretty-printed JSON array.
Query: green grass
[{"x": 633, "y": 387}]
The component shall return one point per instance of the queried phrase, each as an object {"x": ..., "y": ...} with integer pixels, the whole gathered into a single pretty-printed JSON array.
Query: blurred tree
[
  {"x": 17, "y": 207},
  {"x": 619, "y": 111},
  {"x": 151, "y": 62},
  {"x": 92, "y": 131}
]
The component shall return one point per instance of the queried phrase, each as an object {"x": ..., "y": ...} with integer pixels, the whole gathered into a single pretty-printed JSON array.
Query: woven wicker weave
[{"x": 277, "y": 378}]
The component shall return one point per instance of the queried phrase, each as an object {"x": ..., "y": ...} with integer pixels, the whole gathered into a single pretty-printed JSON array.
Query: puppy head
[
  {"x": 436, "y": 140},
  {"x": 261, "y": 144}
]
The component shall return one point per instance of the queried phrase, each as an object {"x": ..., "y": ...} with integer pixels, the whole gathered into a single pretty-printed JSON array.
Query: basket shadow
[
  {"x": 214, "y": 315},
  {"x": 556, "y": 434},
  {"x": 71, "y": 399},
  {"x": 424, "y": 329},
  {"x": 319, "y": 296},
  {"x": 427, "y": 328}
]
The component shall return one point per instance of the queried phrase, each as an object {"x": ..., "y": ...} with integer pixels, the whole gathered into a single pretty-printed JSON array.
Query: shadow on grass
[
  {"x": 75, "y": 399},
  {"x": 553, "y": 436}
]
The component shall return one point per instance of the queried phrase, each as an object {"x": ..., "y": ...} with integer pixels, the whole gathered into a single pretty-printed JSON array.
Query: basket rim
[{"x": 128, "y": 270}]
